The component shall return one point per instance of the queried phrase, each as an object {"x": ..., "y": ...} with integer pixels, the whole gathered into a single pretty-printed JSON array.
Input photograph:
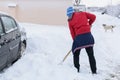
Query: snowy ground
[{"x": 47, "y": 45}]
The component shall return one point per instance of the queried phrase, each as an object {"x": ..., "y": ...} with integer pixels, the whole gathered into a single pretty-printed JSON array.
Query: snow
[
  {"x": 47, "y": 46},
  {"x": 100, "y": 3},
  {"x": 12, "y": 5},
  {"x": 113, "y": 10},
  {"x": 1, "y": 12}
]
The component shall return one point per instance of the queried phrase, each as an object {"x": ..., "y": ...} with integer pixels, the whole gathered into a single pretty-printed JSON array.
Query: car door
[
  {"x": 12, "y": 35},
  {"x": 4, "y": 49}
]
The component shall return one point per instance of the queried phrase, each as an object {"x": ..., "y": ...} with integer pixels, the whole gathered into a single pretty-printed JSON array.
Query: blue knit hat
[{"x": 70, "y": 11}]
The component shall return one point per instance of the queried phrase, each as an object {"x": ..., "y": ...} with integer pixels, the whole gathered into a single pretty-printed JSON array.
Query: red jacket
[{"x": 80, "y": 23}]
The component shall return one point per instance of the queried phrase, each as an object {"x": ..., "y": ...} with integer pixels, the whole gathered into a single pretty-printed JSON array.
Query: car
[{"x": 12, "y": 40}]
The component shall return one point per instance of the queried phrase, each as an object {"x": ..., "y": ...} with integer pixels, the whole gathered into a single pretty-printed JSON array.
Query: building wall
[{"x": 50, "y": 12}]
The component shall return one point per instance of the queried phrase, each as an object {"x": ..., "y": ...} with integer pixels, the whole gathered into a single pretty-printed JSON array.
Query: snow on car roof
[{"x": 3, "y": 13}]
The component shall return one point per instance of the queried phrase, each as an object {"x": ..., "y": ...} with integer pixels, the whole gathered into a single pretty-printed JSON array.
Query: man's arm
[{"x": 91, "y": 18}]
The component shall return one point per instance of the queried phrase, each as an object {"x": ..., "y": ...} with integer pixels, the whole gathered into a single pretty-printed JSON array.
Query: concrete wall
[{"x": 51, "y": 12}]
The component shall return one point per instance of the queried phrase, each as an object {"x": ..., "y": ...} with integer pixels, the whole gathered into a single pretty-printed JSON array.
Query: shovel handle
[{"x": 66, "y": 56}]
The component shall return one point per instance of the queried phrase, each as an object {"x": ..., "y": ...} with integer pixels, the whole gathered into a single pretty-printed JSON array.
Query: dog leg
[
  {"x": 105, "y": 30},
  {"x": 112, "y": 29}
]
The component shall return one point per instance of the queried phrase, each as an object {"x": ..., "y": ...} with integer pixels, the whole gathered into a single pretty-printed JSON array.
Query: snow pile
[
  {"x": 113, "y": 10},
  {"x": 47, "y": 45}
]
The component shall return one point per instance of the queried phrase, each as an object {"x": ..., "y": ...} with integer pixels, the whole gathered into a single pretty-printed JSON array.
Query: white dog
[{"x": 108, "y": 27}]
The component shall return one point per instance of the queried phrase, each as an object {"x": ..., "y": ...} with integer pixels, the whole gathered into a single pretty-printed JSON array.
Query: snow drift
[{"x": 47, "y": 45}]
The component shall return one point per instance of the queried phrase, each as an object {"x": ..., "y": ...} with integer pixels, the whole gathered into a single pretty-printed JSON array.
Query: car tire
[{"x": 22, "y": 49}]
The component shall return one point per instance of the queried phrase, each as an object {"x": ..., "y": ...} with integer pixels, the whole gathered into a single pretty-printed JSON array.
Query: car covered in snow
[{"x": 12, "y": 40}]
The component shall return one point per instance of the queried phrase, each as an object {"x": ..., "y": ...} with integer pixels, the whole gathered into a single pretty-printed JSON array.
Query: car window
[
  {"x": 1, "y": 29},
  {"x": 8, "y": 23}
]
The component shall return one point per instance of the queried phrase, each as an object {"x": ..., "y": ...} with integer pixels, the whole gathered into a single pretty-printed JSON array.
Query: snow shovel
[{"x": 65, "y": 57}]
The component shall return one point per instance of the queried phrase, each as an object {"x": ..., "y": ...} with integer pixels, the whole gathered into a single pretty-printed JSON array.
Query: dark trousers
[{"x": 91, "y": 57}]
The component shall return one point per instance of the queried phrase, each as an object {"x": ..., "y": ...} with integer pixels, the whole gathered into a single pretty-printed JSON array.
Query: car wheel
[{"x": 22, "y": 49}]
